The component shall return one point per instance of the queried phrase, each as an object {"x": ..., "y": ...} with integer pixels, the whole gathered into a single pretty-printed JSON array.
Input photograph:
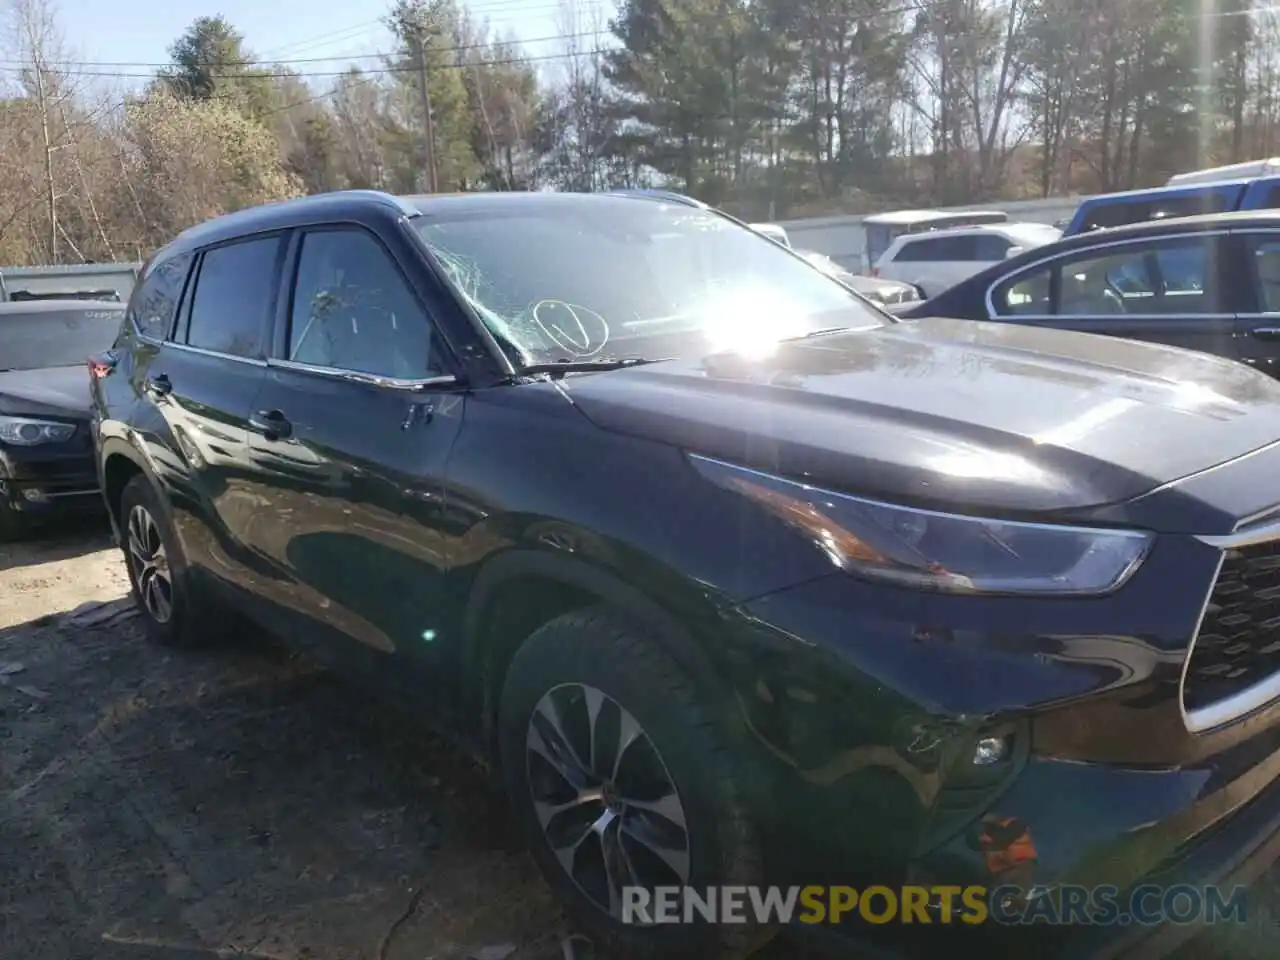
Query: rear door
[
  {"x": 934, "y": 263},
  {"x": 351, "y": 432},
  {"x": 1172, "y": 290},
  {"x": 1259, "y": 282},
  {"x": 197, "y": 388}
]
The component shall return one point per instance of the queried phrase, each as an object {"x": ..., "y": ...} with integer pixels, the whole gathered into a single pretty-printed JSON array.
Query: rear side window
[
  {"x": 153, "y": 304},
  {"x": 1271, "y": 200},
  {"x": 934, "y": 249},
  {"x": 235, "y": 298},
  {"x": 1266, "y": 271},
  {"x": 916, "y": 251},
  {"x": 991, "y": 246}
]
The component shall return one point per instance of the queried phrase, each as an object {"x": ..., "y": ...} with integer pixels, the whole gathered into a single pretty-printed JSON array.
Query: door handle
[
  {"x": 272, "y": 424},
  {"x": 418, "y": 413},
  {"x": 159, "y": 385},
  {"x": 1266, "y": 333}
]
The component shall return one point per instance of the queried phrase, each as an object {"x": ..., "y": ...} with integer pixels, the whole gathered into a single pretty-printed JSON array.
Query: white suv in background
[{"x": 938, "y": 259}]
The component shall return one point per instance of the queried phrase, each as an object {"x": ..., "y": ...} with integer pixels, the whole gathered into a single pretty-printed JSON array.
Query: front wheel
[{"x": 624, "y": 784}]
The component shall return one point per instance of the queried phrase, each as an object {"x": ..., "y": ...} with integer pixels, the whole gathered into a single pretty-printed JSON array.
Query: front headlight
[
  {"x": 942, "y": 551},
  {"x": 28, "y": 432}
]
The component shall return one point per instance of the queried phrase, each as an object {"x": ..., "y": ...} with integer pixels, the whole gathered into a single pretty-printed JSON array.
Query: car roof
[
  {"x": 25, "y": 308},
  {"x": 968, "y": 231},
  {"x": 1174, "y": 190},
  {"x": 353, "y": 204},
  {"x": 916, "y": 216}
]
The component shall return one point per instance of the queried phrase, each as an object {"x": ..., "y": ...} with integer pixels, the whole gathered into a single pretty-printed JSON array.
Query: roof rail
[{"x": 663, "y": 196}]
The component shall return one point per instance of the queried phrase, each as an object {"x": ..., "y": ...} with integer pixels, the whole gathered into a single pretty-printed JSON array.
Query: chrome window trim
[
  {"x": 1232, "y": 708},
  {"x": 1256, "y": 229},
  {"x": 217, "y": 354},
  {"x": 371, "y": 379},
  {"x": 992, "y": 314}
]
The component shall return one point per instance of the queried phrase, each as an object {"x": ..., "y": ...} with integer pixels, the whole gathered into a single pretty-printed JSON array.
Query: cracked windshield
[{"x": 639, "y": 479}]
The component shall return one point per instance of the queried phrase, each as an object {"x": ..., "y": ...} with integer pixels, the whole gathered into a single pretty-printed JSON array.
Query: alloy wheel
[
  {"x": 149, "y": 563},
  {"x": 608, "y": 808}
]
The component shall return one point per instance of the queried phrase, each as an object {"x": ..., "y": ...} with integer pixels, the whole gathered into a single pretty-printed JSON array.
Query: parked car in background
[
  {"x": 877, "y": 289},
  {"x": 1205, "y": 283},
  {"x": 735, "y": 579},
  {"x": 1231, "y": 171},
  {"x": 46, "y": 453},
  {"x": 111, "y": 282},
  {"x": 882, "y": 229},
  {"x": 1183, "y": 200},
  {"x": 939, "y": 259}
]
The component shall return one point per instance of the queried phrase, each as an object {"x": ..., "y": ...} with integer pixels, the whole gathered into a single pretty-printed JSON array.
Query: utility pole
[{"x": 429, "y": 123}]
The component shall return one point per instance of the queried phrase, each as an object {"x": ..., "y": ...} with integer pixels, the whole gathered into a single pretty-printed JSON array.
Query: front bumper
[
  {"x": 868, "y": 707},
  {"x": 49, "y": 480}
]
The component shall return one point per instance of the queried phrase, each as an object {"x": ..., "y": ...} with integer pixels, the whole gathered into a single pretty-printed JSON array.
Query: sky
[{"x": 127, "y": 36}]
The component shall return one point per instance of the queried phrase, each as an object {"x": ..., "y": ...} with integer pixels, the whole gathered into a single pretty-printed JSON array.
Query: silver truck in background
[{"x": 111, "y": 282}]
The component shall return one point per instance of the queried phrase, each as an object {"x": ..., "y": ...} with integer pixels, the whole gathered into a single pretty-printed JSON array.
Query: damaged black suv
[{"x": 732, "y": 577}]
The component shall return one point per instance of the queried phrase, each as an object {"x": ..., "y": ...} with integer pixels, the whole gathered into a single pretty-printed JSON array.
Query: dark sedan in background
[
  {"x": 1208, "y": 283},
  {"x": 46, "y": 450}
]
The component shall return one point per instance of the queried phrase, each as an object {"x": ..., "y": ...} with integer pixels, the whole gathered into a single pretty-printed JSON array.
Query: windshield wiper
[{"x": 558, "y": 368}]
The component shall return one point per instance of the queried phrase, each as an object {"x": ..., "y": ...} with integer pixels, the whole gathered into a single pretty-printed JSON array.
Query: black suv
[{"x": 734, "y": 578}]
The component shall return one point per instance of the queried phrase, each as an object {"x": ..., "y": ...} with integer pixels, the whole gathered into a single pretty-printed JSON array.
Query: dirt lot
[
  {"x": 159, "y": 806},
  {"x": 233, "y": 804}
]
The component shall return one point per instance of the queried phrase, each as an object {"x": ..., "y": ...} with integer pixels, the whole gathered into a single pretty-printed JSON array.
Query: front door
[{"x": 351, "y": 433}]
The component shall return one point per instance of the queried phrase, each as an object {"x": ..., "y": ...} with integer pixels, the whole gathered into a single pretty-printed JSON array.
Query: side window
[
  {"x": 1026, "y": 296},
  {"x": 152, "y": 306},
  {"x": 353, "y": 310},
  {"x": 915, "y": 251},
  {"x": 989, "y": 247},
  {"x": 1166, "y": 277},
  {"x": 1265, "y": 256},
  {"x": 235, "y": 297},
  {"x": 954, "y": 249}
]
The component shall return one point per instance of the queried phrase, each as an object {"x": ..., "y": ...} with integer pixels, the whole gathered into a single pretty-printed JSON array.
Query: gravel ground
[
  {"x": 238, "y": 803},
  {"x": 233, "y": 803}
]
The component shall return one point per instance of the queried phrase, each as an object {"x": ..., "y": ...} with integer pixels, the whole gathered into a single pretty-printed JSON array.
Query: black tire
[
  {"x": 613, "y": 657},
  {"x": 189, "y": 623}
]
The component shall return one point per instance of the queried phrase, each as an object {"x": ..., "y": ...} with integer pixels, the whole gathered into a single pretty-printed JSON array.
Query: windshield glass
[
  {"x": 576, "y": 278},
  {"x": 55, "y": 339}
]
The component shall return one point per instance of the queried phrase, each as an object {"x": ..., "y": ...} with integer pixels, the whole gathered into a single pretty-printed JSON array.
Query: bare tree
[{"x": 35, "y": 41}]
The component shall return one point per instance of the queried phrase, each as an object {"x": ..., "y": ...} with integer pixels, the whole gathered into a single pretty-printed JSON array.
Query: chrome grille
[{"x": 1239, "y": 641}]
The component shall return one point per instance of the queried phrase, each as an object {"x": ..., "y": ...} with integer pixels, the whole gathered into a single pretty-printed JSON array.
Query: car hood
[
  {"x": 1011, "y": 419},
  {"x": 58, "y": 391}
]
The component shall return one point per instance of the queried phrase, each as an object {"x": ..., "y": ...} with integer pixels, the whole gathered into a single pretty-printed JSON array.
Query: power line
[
  {"x": 296, "y": 74},
  {"x": 259, "y": 62},
  {"x": 266, "y": 61}
]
